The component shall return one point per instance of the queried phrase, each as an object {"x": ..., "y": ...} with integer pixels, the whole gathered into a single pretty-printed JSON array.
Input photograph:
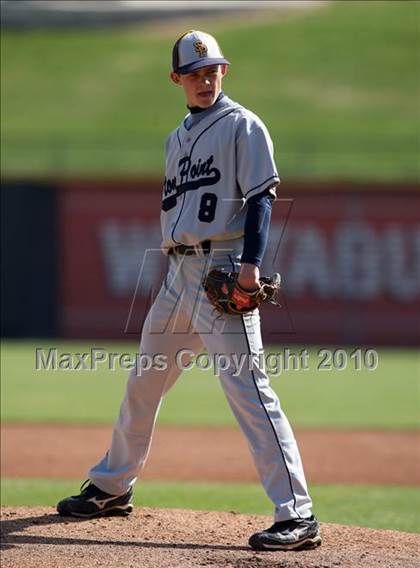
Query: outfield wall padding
[
  {"x": 81, "y": 259},
  {"x": 349, "y": 255}
]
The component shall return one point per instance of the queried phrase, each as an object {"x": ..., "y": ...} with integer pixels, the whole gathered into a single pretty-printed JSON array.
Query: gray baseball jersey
[{"x": 212, "y": 168}]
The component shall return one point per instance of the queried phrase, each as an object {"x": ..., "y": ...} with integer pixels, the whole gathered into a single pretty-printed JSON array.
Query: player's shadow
[
  {"x": 12, "y": 525},
  {"x": 11, "y": 536}
]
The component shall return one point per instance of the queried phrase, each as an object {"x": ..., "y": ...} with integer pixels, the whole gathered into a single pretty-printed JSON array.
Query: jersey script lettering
[{"x": 198, "y": 174}]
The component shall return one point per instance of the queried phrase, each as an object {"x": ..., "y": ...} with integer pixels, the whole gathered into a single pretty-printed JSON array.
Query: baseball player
[{"x": 220, "y": 183}]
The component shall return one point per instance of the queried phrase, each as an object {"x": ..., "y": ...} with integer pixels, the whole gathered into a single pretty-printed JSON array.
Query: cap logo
[{"x": 200, "y": 48}]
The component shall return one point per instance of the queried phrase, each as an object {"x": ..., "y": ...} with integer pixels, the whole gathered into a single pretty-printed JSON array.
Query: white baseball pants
[{"x": 181, "y": 318}]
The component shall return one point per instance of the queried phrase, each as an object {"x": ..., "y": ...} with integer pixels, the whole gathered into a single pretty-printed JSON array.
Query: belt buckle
[
  {"x": 200, "y": 249},
  {"x": 205, "y": 247},
  {"x": 191, "y": 250}
]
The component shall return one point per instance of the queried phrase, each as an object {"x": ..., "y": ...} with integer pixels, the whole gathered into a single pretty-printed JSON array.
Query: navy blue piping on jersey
[
  {"x": 191, "y": 151},
  {"x": 232, "y": 263},
  {"x": 269, "y": 420},
  {"x": 176, "y": 222},
  {"x": 260, "y": 184},
  {"x": 177, "y": 135},
  {"x": 209, "y": 126},
  {"x": 199, "y": 110}
]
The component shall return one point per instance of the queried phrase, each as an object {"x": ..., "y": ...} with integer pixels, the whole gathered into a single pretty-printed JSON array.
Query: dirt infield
[
  {"x": 155, "y": 538},
  {"x": 213, "y": 454},
  {"x": 179, "y": 538}
]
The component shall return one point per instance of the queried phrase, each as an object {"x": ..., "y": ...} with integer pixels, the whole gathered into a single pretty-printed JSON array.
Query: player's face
[{"x": 203, "y": 86}]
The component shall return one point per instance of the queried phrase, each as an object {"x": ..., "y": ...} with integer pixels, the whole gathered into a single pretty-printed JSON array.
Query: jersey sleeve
[{"x": 256, "y": 169}]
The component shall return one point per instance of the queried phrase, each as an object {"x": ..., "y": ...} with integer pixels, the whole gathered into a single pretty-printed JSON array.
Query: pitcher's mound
[{"x": 167, "y": 538}]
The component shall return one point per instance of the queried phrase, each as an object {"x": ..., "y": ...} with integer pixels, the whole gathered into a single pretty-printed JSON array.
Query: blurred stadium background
[
  {"x": 85, "y": 112},
  {"x": 86, "y": 105}
]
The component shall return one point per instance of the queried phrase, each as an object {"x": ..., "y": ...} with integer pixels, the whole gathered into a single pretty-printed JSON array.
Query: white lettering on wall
[
  {"x": 357, "y": 261},
  {"x": 354, "y": 261},
  {"x": 308, "y": 268},
  {"x": 402, "y": 251}
]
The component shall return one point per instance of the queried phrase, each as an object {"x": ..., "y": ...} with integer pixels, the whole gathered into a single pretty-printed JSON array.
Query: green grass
[
  {"x": 338, "y": 88},
  {"x": 385, "y": 507},
  {"x": 388, "y": 398}
]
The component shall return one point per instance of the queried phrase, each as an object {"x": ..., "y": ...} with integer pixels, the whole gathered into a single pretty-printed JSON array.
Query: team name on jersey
[{"x": 192, "y": 175}]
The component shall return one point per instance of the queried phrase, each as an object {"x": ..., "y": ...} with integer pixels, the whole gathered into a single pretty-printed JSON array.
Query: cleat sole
[{"x": 305, "y": 544}]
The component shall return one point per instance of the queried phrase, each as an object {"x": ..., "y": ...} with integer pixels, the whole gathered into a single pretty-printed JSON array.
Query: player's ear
[
  {"x": 224, "y": 69},
  {"x": 175, "y": 78}
]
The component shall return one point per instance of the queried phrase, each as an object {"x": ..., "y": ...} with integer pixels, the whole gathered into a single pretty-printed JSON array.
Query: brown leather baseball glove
[{"x": 228, "y": 297}]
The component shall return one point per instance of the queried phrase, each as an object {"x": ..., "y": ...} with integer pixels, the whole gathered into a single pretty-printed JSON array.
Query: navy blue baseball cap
[{"x": 195, "y": 49}]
